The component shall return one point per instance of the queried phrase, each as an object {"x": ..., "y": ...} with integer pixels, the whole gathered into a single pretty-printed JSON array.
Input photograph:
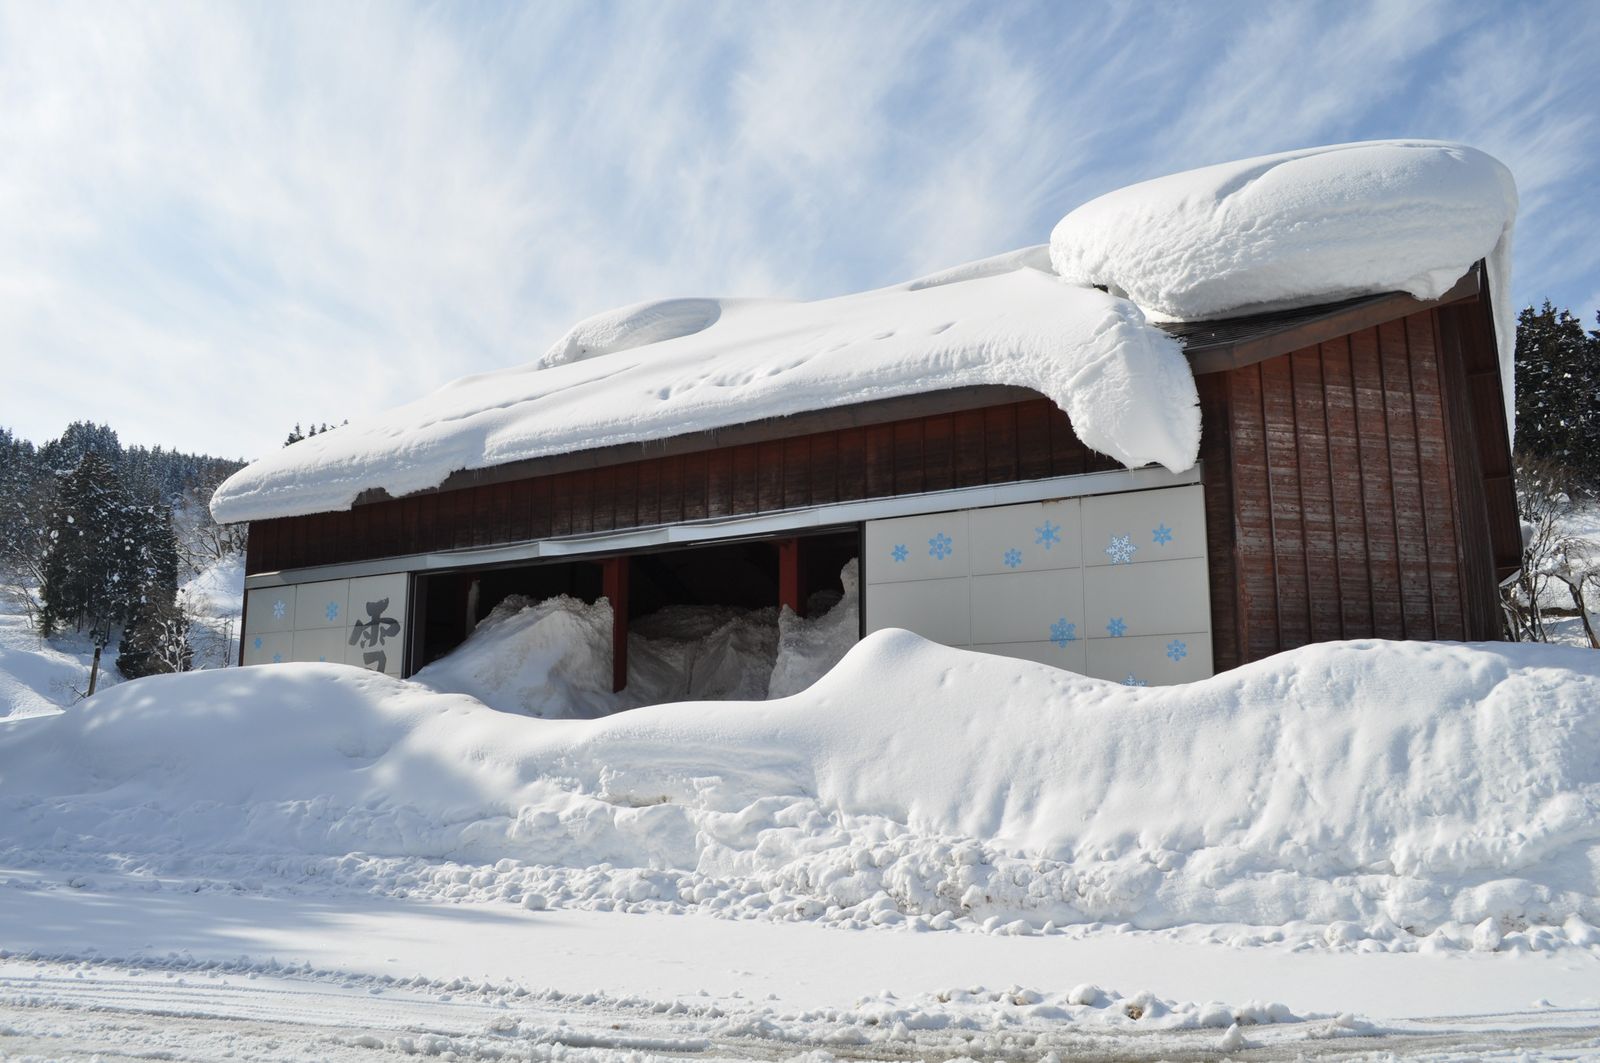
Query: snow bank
[
  {"x": 552, "y": 658},
  {"x": 1124, "y": 384},
  {"x": 1389, "y": 794},
  {"x": 1300, "y": 228}
]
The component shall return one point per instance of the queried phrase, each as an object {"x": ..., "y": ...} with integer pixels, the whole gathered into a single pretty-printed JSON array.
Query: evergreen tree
[
  {"x": 1558, "y": 392},
  {"x": 155, "y": 641},
  {"x": 84, "y": 564}
]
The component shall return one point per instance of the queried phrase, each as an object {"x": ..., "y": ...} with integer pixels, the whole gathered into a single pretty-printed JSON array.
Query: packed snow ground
[
  {"x": 1308, "y": 226},
  {"x": 199, "y": 976}
]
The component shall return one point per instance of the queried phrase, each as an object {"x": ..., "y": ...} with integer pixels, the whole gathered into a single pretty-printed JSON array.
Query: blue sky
[{"x": 217, "y": 220}]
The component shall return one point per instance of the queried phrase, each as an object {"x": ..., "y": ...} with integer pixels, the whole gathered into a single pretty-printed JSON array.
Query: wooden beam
[
  {"x": 614, "y": 582},
  {"x": 791, "y": 581}
]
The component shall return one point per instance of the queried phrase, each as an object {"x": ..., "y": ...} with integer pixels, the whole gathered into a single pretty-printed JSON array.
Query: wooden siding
[
  {"x": 1356, "y": 491},
  {"x": 998, "y": 444}
]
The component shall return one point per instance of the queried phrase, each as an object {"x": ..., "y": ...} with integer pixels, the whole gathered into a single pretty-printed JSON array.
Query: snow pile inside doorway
[
  {"x": 552, "y": 658},
  {"x": 1364, "y": 795}
]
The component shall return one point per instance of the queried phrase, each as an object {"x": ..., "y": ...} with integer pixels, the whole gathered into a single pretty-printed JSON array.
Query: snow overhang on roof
[{"x": 1280, "y": 231}]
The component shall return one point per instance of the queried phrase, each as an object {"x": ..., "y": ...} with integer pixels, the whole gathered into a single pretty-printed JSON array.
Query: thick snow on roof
[
  {"x": 1302, "y": 227},
  {"x": 1299, "y": 228},
  {"x": 712, "y": 363}
]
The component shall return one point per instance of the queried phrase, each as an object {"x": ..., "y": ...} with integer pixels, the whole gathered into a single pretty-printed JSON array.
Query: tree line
[
  {"x": 94, "y": 537},
  {"x": 1558, "y": 471}
]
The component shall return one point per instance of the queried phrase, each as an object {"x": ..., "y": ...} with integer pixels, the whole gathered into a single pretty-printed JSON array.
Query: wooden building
[{"x": 1354, "y": 480}]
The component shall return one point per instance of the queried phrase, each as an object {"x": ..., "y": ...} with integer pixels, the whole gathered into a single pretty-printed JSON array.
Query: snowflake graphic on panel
[
  {"x": 1162, "y": 534},
  {"x": 1013, "y": 557},
  {"x": 277, "y": 658},
  {"x": 1121, "y": 549},
  {"x": 332, "y": 611},
  {"x": 1177, "y": 650},
  {"x": 1062, "y": 632},
  {"x": 1116, "y": 628},
  {"x": 279, "y": 608},
  {"x": 1048, "y": 535},
  {"x": 1133, "y": 681},
  {"x": 258, "y": 643},
  {"x": 940, "y": 546},
  {"x": 900, "y": 553}
]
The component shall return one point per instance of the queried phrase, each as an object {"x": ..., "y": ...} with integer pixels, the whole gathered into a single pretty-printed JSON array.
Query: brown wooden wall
[
  {"x": 1354, "y": 475},
  {"x": 1000, "y": 444}
]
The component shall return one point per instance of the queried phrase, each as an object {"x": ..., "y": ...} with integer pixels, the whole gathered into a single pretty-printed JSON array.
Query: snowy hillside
[{"x": 1411, "y": 795}]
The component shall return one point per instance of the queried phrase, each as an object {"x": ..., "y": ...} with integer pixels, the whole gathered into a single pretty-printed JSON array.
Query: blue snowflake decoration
[
  {"x": 332, "y": 611},
  {"x": 1177, "y": 650},
  {"x": 1116, "y": 628},
  {"x": 1048, "y": 535},
  {"x": 1121, "y": 549},
  {"x": 1013, "y": 557},
  {"x": 940, "y": 546},
  {"x": 900, "y": 553},
  {"x": 279, "y": 608},
  {"x": 1062, "y": 632},
  {"x": 1162, "y": 534},
  {"x": 1134, "y": 681},
  {"x": 277, "y": 658},
  {"x": 258, "y": 643}
]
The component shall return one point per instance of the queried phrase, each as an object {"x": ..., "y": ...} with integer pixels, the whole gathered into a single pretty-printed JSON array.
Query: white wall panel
[
  {"x": 1036, "y": 581},
  {"x": 1151, "y": 660},
  {"x": 270, "y": 609},
  {"x": 1148, "y": 599},
  {"x": 269, "y": 647},
  {"x": 330, "y": 620},
  {"x": 1072, "y": 656},
  {"x": 938, "y": 609},
  {"x": 1028, "y": 606},
  {"x": 1145, "y": 525},
  {"x": 315, "y": 645},
  {"x": 918, "y": 548},
  {"x": 319, "y": 605},
  {"x": 1031, "y": 537}
]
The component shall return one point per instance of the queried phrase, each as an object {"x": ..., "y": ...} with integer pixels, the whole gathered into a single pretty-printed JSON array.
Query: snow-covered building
[{"x": 1221, "y": 414}]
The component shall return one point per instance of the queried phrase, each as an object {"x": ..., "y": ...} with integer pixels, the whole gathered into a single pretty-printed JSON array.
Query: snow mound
[
  {"x": 628, "y": 327},
  {"x": 1124, "y": 384},
  {"x": 1390, "y": 795},
  {"x": 552, "y": 658}
]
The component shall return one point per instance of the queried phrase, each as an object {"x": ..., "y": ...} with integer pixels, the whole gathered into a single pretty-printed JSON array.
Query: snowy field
[{"x": 1303, "y": 858}]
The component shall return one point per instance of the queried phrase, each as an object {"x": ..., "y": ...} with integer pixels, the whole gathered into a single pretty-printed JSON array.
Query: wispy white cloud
[{"x": 216, "y": 220}]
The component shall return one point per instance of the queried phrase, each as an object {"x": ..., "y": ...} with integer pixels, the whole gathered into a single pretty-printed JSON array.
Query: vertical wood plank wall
[{"x": 1355, "y": 493}]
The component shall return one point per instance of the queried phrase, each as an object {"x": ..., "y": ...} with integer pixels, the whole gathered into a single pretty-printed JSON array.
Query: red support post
[
  {"x": 790, "y": 577},
  {"x": 614, "y": 581}
]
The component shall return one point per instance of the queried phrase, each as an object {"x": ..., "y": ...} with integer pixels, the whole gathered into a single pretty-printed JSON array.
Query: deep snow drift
[
  {"x": 1308, "y": 226},
  {"x": 1391, "y": 794}
]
